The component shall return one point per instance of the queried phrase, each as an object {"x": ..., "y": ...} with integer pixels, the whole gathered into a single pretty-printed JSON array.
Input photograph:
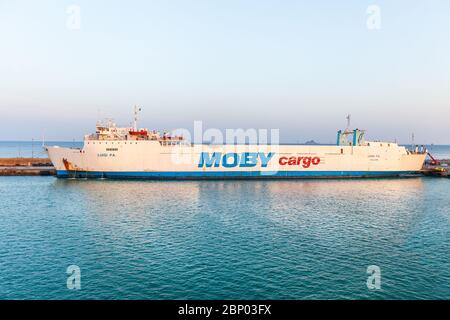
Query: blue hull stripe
[{"x": 227, "y": 174}]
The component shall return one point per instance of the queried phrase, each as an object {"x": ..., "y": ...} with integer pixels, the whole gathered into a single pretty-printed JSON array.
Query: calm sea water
[
  {"x": 34, "y": 148},
  {"x": 224, "y": 239}
]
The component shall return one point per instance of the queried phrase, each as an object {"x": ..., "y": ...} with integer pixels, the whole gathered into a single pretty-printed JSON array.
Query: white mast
[
  {"x": 348, "y": 122},
  {"x": 43, "y": 138},
  {"x": 136, "y": 111}
]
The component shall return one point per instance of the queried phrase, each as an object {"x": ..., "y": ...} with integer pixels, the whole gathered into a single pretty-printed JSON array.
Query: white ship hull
[{"x": 149, "y": 159}]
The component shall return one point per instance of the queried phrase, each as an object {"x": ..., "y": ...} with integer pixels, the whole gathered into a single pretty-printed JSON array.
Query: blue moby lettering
[{"x": 231, "y": 160}]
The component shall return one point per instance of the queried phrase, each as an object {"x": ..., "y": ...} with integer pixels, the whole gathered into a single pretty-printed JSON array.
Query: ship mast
[
  {"x": 348, "y": 123},
  {"x": 136, "y": 111}
]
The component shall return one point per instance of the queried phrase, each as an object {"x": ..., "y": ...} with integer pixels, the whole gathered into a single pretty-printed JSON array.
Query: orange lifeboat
[{"x": 138, "y": 133}]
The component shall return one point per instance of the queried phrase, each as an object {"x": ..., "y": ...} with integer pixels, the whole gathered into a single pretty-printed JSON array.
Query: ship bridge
[{"x": 107, "y": 130}]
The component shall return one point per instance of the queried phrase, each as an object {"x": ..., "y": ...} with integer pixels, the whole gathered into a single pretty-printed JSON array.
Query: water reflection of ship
[
  {"x": 346, "y": 210},
  {"x": 137, "y": 200},
  {"x": 370, "y": 208}
]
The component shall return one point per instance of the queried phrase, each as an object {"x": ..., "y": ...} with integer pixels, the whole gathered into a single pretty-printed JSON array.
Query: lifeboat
[{"x": 138, "y": 133}]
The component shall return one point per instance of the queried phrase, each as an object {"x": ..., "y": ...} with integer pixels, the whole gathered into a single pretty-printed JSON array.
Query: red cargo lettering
[{"x": 305, "y": 162}]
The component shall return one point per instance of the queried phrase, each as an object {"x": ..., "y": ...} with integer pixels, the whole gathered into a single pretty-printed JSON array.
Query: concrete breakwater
[{"x": 26, "y": 167}]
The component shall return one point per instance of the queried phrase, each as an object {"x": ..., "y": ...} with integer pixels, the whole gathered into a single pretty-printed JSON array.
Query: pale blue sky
[{"x": 299, "y": 66}]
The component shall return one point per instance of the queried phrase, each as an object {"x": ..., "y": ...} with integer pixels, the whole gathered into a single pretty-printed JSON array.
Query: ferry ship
[{"x": 131, "y": 153}]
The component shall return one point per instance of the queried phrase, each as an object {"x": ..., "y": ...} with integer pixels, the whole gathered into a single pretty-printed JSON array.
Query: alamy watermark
[
  {"x": 373, "y": 21},
  {"x": 236, "y": 146},
  {"x": 374, "y": 278},
  {"x": 74, "y": 277},
  {"x": 73, "y": 20}
]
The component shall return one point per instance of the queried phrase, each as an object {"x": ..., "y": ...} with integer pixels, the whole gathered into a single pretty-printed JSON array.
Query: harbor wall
[{"x": 26, "y": 167}]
